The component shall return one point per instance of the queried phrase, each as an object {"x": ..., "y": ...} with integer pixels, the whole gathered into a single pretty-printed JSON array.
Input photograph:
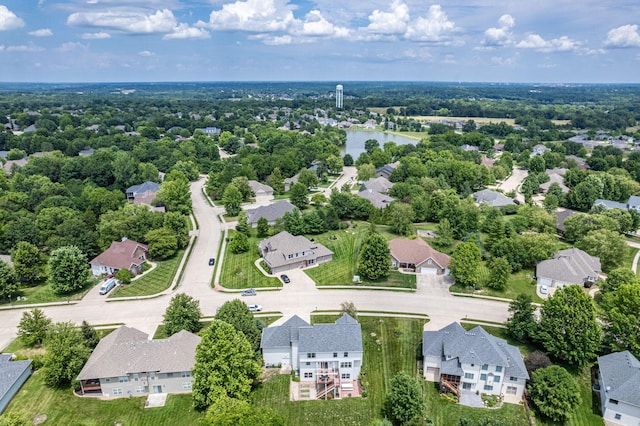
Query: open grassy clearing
[
  {"x": 239, "y": 270},
  {"x": 43, "y": 293},
  {"x": 391, "y": 346},
  {"x": 346, "y": 246},
  {"x": 152, "y": 282},
  {"x": 521, "y": 282},
  {"x": 63, "y": 408}
]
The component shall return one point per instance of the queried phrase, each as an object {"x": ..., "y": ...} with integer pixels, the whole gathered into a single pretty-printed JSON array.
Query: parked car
[
  {"x": 285, "y": 279},
  {"x": 255, "y": 308},
  {"x": 107, "y": 286},
  {"x": 212, "y": 261},
  {"x": 249, "y": 292},
  {"x": 544, "y": 289}
]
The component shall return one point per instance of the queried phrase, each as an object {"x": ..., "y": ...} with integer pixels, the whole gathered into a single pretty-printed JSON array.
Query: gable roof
[
  {"x": 277, "y": 248},
  {"x": 634, "y": 201},
  {"x": 10, "y": 371},
  {"x": 378, "y": 199},
  {"x": 281, "y": 336},
  {"x": 257, "y": 187},
  {"x": 120, "y": 255},
  {"x": 143, "y": 187},
  {"x": 561, "y": 216},
  {"x": 270, "y": 212},
  {"x": 492, "y": 198},
  {"x": 610, "y": 204},
  {"x": 128, "y": 350},
  {"x": 380, "y": 184},
  {"x": 475, "y": 346},
  {"x": 416, "y": 251},
  {"x": 620, "y": 372},
  {"x": 570, "y": 266}
]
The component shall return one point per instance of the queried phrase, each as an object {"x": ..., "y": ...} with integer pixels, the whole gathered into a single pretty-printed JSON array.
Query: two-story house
[
  {"x": 284, "y": 252},
  {"x": 126, "y": 363},
  {"x": 473, "y": 361},
  {"x": 327, "y": 356},
  {"x": 619, "y": 380}
]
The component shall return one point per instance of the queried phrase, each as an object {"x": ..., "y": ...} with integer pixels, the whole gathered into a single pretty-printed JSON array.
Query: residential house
[
  {"x": 261, "y": 191},
  {"x": 86, "y": 152},
  {"x": 326, "y": 356},
  {"x": 567, "y": 267},
  {"x": 555, "y": 176},
  {"x": 271, "y": 212},
  {"x": 284, "y": 251},
  {"x": 619, "y": 380},
  {"x": 379, "y": 184},
  {"x": 125, "y": 254},
  {"x": 610, "y": 204},
  {"x": 487, "y": 162},
  {"x": 492, "y": 198},
  {"x": 581, "y": 162},
  {"x": 473, "y": 361},
  {"x": 12, "y": 375},
  {"x": 499, "y": 147},
  {"x": 467, "y": 147},
  {"x": 386, "y": 170},
  {"x": 561, "y": 216},
  {"x": 418, "y": 256},
  {"x": 144, "y": 190},
  {"x": 288, "y": 182},
  {"x": 538, "y": 149},
  {"x": 378, "y": 200},
  {"x": 634, "y": 203},
  {"x": 126, "y": 363},
  {"x": 210, "y": 131}
]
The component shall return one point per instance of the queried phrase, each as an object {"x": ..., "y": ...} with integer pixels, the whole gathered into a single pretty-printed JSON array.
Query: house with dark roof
[
  {"x": 379, "y": 201},
  {"x": 288, "y": 182},
  {"x": 139, "y": 190},
  {"x": 126, "y": 254},
  {"x": 126, "y": 363},
  {"x": 418, "y": 256},
  {"x": 271, "y": 212},
  {"x": 492, "y": 198},
  {"x": 386, "y": 170},
  {"x": 568, "y": 267},
  {"x": 561, "y": 216},
  {"x": 379, "y": 184},
  {"x": 12, "y": 376},
  {"x": 473, "y": 361},
  {"x": 619, "y": 380},
  {"x": 326, "y": 356},
  {"x": 284, "y": 252}
]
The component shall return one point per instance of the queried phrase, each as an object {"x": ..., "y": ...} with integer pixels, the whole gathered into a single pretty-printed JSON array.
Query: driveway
[{"x": 513, "y": 183}]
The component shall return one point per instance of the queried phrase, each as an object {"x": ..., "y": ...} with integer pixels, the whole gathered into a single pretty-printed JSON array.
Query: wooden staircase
[{"x": 453, "y": 387}]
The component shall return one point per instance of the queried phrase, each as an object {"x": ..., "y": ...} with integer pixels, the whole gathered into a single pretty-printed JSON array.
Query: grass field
[
  {"x": 390, "y": 345},
  {"x": 520, "y": 283},
  {"x": 63, "y": 408},
  {"x": 342, "y": 268},
  {"x": 239, "y": 270},
  {"x": 152, "y": 282},
  {"x": 43, "y": 293}
]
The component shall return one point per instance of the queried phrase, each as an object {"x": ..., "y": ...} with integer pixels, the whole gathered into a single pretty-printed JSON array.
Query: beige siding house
[
  {"x": 418, "y": 256},
  {"x": 284, "y": 252},
  {"x": 126, "y": 254}
]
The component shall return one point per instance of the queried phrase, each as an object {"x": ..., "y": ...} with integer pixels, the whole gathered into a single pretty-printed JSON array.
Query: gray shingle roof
[
  {"x": 277, "y": 248},
  {"x": 378, "y": 200},
  {"x": 10, "y": 371},
  {"x": 492, "y": 198},
  {"x": 475, "y": 346},
  {"x": 620, "y": 373},
  {"x": 143, "y": 187},
  {"x": 570, "y": 266},
  {"x": 634, "y": 201},
  {"x": 257, "y": 187},
  {"x": 380, "y": 184},
  {"x": 271, "y": 212},
  {"x": 281, "y": 336},
  {"x": 610, "y": 204},
  {"x": 128, "y": 350}
]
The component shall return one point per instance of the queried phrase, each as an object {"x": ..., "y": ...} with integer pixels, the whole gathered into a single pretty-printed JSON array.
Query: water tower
[{"x": 339, "y": 96}]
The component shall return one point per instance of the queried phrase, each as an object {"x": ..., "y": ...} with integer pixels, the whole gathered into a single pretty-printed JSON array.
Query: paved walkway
[{"x": 470, "y": 399}]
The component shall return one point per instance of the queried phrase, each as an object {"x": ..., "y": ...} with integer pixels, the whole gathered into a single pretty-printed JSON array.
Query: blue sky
[{"x": 592, "y": 41}]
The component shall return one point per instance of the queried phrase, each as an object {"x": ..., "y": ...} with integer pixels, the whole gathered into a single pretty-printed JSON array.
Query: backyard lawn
[
  {"x": 61, "y": 407},
  {"x": 340, "y": 271},
  {"x": 239, "y": 270},
  {"x": 43, "y": 293},
  {"x": 520, "y": 283},
  {"x": 152, "y": 282}
]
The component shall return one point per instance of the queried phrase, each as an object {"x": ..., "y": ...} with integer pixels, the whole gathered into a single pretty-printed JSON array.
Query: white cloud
[
  {"x": 561, "y": 44},
  {"x": 43, "y": 32},
  {"x": 393, "y": 22},
  {"x": 24, "y": 48},
  {"x": 419, "y": 54},
  {"x": 134, "y": 21},
  {"x": 9, "y": 20},
  {"x": 274, "y": 40},
  {"x": 1, "y": 47},
  {"x": 435, "y": 27},
  {"x": 315, "y": 25},
  {"x": 71, "y": 46},
  {"x": 146, "y": 53},
  {"x": 500, "y": 36},
  {"x": 96, "y": 36},
  {"x": 624, "y": 36},
  {"x": 503, "y": 62},
  {"x": 252, "y": 15},
  {"x": 184, "y": 31}
]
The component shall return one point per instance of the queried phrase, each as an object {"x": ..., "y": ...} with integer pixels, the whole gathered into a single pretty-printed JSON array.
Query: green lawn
[
  {"x": 519, "y": 283},
  {"x": 340, "y": 271},
  {"x": 161, "y": 332},
  {"x": 391, "y": 346},
  {"x": 152, "y": 282},
  {"x": 239, "y": 270},
  {"x": 63, "y": 408},
  {"x": 43, "y": 293}
]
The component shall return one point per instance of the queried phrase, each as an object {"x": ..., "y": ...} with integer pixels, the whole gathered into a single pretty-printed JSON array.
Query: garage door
[
  {"x": 545, "y": 281},
  {"x": 429, "y": 271},
  {"x": 431, "y": 374}
]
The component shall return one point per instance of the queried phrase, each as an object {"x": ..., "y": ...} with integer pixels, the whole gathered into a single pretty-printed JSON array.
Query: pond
[{"x": 356, "y": 139}]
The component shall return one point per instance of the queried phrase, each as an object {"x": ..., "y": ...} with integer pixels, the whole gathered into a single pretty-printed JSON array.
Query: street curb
[{"x": 39, "y": 305}]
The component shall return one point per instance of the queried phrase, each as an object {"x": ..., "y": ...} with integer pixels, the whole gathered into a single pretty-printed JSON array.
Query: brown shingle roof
[
  {"x": 416, "y": 251},
  {"x": 121, "y": 255}
]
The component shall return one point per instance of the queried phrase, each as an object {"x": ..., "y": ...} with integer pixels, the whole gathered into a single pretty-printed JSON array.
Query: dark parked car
[
  {"x": 285, "y": 279},
  {"x": 212, "y": 261}
]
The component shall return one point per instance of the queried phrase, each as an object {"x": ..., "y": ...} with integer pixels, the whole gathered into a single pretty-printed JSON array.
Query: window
[
  {"x": 311, "y": 354},
  {"x": 169, "y": 374},
  {"x": 139, "y": 389},
  {"x": 466, "y": 386},
  {"x": 186, "y": 385},
  {"x": 308, "y": 363},
  {"x": 335, "y": 354},
  {"x": 496, "y": 379},
  {"x": 618, "y": 416},
  {"x": 308, "y": 375},
  {"x": 116, "y": 391},
  {"x": 614, "y": 401},
  {"x": 498, "y": 368},
  {"x": 346, "y": 354},
  {"x": 123, "y": 379},
  {"x": 483, "y": 377},
  {"x": 513, "y": 379},
  {"x": 186, "y": 374},
  {"x": 290, "y": 256},
  {"x": 468, "y": 375},
  {"x": 345, "y": 365},
  {"x": 136, "y": 377},
  {"x": 488, "y": 387},
  {"x": 485, "y": 367},
  {"x": 346, "y": 376},
  {"x": 512, "y": 390}
]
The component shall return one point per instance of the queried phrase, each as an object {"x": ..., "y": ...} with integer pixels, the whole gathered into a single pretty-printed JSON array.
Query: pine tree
[{"x": 375, "y": 258}]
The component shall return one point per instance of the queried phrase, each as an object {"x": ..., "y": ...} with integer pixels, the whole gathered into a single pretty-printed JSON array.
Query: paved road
[
  {"x": 513, "y": 183},
  {"x": 300, "y": 297}
]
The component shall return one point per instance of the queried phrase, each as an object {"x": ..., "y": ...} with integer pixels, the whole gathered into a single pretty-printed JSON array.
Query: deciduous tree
[
  {"x": 232, "y": 199},
  {"x": 375, "y": 259},
  {"x": 33, "y": 327},
  {"x": 8, "y": 281},
  {"x": 617, "y": 278},
  {"x": 68, "y": 270},
  {"x": 554, "y": 392},
  {"x": 609, "y": 246},
  {"x": 66, "y": 354},
  {"x": 183, "y": 313},
  {"x": 236, "y": 313},
  {"x": 162, "y": 243},
  {"x": 239, "y": 243},
  {"x": 403, "y": 402},
  {"x": 27, "y": 263},
  {"x": 263, "y": 228},
  {"x": 298, "y": 195},
  {"x": 465, "y": 264},
  {"x": 522, "y": 324},
  {"x": 499, "y": 273},
  {"x": 227, "y": 411},
  {"x": 620, "y": 319}
]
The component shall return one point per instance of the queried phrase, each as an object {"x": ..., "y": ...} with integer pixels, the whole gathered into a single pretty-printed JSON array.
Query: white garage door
[
  {"x": 429, "y": 271},
  {"x": 545, "y": 281}
]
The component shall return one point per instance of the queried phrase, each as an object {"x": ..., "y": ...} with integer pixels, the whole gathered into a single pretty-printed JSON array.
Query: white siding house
[{"x": 619, "y": 379}]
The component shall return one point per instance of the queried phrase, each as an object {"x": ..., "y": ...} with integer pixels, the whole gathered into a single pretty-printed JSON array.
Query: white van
[{"x": 107, "y": 286}]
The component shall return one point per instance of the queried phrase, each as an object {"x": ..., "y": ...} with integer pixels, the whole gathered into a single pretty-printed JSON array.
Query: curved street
[{"x": 301, "y": 297}]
